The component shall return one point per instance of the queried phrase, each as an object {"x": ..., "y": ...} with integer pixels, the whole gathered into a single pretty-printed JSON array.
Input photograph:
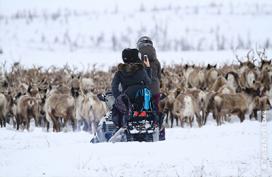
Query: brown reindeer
[
  {"x": 87, "y": 85},
  {"x": 233, "y": 81},
  {"x": 202, "y": 99},
  {"x": 27, "y": 107},
  {"x": 75, "y": 86},
  {"x": 197, "y": 79},
  {"x": 220, "y": 81},
  {"x": 185, "y": 108},
  {"x": 238, "y": 104},
  {"x": 211, "y": 74},
  {"x": 91, "y": 110},
  {"x": 169, "y": 105},
  {"x": 224, "y": 104},
  {"x": 58, "y": 107},
  {"x": 3, "y": 110},
  {"x": 261, "y": 104},
  {"x": 248, "y": 78}
]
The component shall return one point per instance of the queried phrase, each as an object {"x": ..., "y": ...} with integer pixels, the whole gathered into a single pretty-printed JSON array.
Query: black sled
[{"x": 140, "y": 126}]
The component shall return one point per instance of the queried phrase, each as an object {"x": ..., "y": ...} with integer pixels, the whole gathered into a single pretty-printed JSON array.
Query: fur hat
[{"x": 130, "y": 56}]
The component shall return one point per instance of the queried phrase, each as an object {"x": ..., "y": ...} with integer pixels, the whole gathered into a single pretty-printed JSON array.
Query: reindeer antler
[
  {"x": 261, "y": 54},
  {"x": 236, "y": 56},
  {"x": 248, "y": 56}
]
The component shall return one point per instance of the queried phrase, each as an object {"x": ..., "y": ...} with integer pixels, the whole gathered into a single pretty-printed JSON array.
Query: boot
[{"x": 162, "y": 134}]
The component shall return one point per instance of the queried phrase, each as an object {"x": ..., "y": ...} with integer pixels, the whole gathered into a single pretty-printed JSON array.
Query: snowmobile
[{"x": 141, "y": 125}]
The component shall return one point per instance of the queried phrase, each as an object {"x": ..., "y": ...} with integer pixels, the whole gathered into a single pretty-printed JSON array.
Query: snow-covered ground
[{"x": 232, "y": 149}]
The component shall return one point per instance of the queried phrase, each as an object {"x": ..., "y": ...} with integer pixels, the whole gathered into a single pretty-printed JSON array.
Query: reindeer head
[
  {"x": 265, "y": 63},
  {"x": 249, "y": 63},
  {"x": 211, "y": 67},
  {"x": 233, "y": 81},
  {"x": 186, "y": 67}
]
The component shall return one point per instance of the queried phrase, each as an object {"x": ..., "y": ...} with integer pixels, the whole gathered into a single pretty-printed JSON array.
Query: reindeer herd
[
  {"x": 52, "y": 97},
  {"x": 225, "y": 92},
  {"x": 58, "y": 97}
]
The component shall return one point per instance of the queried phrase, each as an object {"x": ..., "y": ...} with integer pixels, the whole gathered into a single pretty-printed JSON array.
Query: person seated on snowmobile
[
  {"x": 146, "y": 49},
  {"x": 133, "y": 75}
]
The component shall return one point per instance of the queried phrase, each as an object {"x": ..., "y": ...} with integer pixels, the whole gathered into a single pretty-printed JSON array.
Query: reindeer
[
  {"x": 238, "y": 104},
  {"x": 3, "y": 110},
  {"x": 91, "y": 110},
  {"x": 202, "y": 99},
  {"x": 248, "y": 78},
  {"x": 211, "y": 74},
  {"x": 185, "y": 108},
  {"x": 186, "y": 73},
  {"x": 219, "y": 82},
  {"x": 86, "y": 85},
  {"x": 224, "y": 104},
  {"x": 249, "y": 64},
  {"x": 233, "y": 81},
  {"x": 196, "y": 79},
  {"x": 75, "y": 86},
  {"x": 60, "y": 106},
  {"x": 261, "y": 104},
  {"x": 169, "y": 105},
  {"x": 265, "y": 63},
  {"x": 26, "y": 108}
]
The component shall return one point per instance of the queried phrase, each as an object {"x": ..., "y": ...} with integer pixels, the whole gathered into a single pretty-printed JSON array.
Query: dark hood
[{"x": 130, "y": 68}]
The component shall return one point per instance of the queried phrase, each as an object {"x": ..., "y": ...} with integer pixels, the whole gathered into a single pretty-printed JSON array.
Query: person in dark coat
[
  {"x": 146, "y": 49},
  {"x": 132, "y": 75}
]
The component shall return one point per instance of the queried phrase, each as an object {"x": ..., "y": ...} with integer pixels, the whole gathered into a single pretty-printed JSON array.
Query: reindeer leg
[
  {"x": 202, "y": 115},
  {"x": 174, "y": 117},
  {"x": 191, "y": 119},
  {"x": 205, "y": 118},
  {"x": 47, "y": 126},
  {"x": 93, "y": 127},
  {"x": 64, "y": 123},
  {"x": 74, "y": 124},
  {"x": 166, "y": 118},
  {"x": 55, "y": 126},
  {"x": 4, "y": 119},
  {"x": 241, "y": 115},
  {"x": 199, "y": 120},
  {"x": 18, "y": 121},
  {"x": 251, "y": 115},
  {"x": 181, "y": 121},
  {"x": 172, "y": 120},
  {"x": 36, "y": 121},
  {"x": 218, "y": 120},
  {"x": 85, "y": 125},
  {"x": 255, "y": 114},
  {"x": 28, "y": 123},
  {"x": 58, "y": 124},
  {"x": 1, "y": 120},
  {"x": 176, "y": 121}
]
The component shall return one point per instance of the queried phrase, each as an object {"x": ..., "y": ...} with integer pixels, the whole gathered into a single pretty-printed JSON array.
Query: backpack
[{"x": 143, "y": 99}]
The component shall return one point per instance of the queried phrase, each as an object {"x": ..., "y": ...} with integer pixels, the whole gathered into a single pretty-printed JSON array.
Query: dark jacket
[
  {"x": 155, "y": 66},
  {"x": 132, "y": 77}
]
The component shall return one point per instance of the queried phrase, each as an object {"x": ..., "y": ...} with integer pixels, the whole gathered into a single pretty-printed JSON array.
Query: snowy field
[
  {"x": 232, "y": 149},
  {"x": 36, "y": 32}
]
